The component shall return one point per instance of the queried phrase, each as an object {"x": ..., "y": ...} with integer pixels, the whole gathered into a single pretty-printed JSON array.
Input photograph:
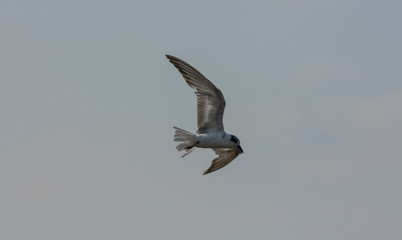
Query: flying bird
[{"x": 210, "y": 108}]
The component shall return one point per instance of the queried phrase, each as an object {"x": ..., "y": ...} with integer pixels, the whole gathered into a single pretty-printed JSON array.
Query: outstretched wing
[
  {"x": 210, "y": 101},
  {"x": 225, "y": 156}
]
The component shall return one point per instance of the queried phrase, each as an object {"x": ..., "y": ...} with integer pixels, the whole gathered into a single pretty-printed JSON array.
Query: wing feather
[
  {"x": 223, "y": 158},
  {"x": 210, "y": 100}
]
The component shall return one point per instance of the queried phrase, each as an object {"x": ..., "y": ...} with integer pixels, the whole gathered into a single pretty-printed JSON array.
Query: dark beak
[{"x": 240, "y": 149}]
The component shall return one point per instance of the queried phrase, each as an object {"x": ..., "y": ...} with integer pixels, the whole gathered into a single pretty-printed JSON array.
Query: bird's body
[
  {"x": 214, "y": 140},
  {"x": 210, "y": 108}
]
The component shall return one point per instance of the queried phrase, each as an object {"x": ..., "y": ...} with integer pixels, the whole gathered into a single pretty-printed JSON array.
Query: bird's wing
[
  {"x": 210, "y": 101},
  {"x": 223, "y": 158}
]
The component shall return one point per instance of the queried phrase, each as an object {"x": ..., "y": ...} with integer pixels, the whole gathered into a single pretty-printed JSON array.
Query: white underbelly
[{"x": 213, "y": 141}]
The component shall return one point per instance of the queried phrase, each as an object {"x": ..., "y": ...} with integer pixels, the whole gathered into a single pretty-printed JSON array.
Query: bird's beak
[{"x": 240, "y": 149}]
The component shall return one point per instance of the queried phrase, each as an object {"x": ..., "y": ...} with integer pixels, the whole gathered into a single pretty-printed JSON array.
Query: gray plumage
[{"x": 210, "y": 100}]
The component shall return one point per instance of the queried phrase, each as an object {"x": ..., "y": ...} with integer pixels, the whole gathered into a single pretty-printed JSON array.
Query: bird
[{"x": 210, "y": 107}]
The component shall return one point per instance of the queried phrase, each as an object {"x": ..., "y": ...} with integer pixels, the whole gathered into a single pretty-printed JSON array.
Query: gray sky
[{"x": 88, "y": 101}]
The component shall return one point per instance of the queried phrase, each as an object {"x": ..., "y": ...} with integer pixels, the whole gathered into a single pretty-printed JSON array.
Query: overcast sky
[{"x": 88, "y": 101}]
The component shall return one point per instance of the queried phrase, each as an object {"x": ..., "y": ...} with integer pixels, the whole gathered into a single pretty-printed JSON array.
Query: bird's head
[{"x": 236, "y": 141}]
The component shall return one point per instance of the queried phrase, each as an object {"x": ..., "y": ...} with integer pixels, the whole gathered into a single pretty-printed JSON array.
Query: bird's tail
[{"x": 187, "y": 138}]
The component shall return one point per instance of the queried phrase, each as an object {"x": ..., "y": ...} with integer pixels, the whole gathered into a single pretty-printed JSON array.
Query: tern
[{"x": 210, "y": 108}]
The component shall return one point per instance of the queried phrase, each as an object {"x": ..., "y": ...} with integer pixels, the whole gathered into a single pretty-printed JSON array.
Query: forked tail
[{"x": 187, "y": 138}]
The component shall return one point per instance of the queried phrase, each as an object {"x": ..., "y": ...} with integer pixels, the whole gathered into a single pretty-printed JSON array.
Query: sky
[{"x": 88, "y": 100}]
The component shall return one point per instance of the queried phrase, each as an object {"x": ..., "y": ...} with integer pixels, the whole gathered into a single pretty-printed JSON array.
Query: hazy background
[{"x": 88, "y": 101}]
